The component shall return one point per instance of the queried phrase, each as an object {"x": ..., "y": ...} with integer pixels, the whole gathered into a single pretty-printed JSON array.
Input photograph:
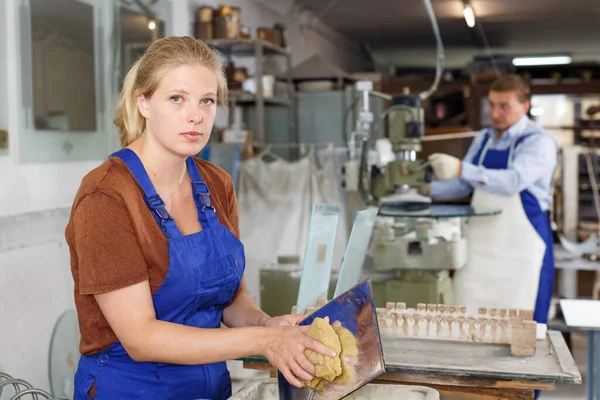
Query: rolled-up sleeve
[{"x": 534, "y": 157}]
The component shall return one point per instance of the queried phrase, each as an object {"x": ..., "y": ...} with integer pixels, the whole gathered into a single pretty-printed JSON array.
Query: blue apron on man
[
  {"x": 511, "y": 262},
  {"x": 205, "y": 271}
]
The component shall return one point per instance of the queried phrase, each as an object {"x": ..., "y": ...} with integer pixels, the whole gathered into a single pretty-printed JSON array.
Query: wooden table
[{"x": 469, "y": 371}]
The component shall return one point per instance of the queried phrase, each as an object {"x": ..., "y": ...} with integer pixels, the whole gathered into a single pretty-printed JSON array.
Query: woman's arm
[
  {"x": 243, "y": 311},
  {"x": 130, "y": 313}
]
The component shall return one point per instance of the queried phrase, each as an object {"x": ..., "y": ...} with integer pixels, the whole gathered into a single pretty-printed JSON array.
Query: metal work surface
[
  {"x": 266, "y": 389},
  {"x": 551, "y": 363},
  {"x": 437, "y": 211},
  {"x": 566, "y": 260}
]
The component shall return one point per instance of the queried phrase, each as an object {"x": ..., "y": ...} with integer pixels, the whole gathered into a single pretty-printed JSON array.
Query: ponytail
[{"x": 128, "y": 119}]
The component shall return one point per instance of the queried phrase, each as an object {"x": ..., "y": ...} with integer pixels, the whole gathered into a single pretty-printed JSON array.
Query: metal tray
[{"x": 266, "y": 389}]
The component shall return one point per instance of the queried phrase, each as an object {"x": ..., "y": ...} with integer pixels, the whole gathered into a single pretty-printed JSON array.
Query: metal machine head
[{"x": 405, "y": 173}]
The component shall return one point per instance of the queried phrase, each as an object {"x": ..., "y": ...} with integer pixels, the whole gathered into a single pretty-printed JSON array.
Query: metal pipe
[{"x": 440, "y": 51}]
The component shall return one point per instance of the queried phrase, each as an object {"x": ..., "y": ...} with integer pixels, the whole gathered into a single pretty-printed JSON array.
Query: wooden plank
[
  {"x": 464, "y": 381},
  {"x": 260, "y": 366},
  {"x": 473, "y": 393}
]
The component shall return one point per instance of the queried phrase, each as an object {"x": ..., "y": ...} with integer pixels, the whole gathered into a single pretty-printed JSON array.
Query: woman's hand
[
  {"x": 284, "y": 348},
  {"x": 284, "y": 320}
]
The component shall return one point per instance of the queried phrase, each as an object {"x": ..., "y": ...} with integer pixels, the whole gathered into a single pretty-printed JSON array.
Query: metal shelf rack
[{"x": 258, "y": 49}]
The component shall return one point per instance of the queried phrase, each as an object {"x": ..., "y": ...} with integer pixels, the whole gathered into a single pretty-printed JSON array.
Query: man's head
[{"x": 509, "y": 101}]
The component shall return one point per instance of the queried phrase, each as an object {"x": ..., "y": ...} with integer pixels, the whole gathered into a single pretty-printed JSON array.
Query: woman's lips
[{"x": 192, "y": 136}]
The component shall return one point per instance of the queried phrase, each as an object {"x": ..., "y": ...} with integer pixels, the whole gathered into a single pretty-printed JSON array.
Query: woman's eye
[
  {"x": 208, "y": 101},
  {"x": 176, "y": 99}
]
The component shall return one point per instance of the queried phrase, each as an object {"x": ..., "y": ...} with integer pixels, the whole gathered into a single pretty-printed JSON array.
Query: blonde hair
[{"x": 143, "y": 79}]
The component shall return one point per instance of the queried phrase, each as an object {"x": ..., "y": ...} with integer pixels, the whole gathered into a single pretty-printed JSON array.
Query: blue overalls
[
  {"x": 499, "y": 159},
  {"x": 205, "y": 271}
]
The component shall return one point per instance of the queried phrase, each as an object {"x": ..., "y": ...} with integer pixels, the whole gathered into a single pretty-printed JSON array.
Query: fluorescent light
[
  {"x": 152, "y": 24},
  {"x": 549, "y": 60},
  {"x": 469, "y": 15},
  {"x": 537, "y": 111}
]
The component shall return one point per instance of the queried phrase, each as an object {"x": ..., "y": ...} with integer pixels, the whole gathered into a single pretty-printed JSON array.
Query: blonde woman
[{"x": 155, "y": 257}]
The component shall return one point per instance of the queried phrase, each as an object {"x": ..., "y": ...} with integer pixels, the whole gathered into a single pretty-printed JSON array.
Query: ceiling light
[
  {"x": 469, "y": 14},
  {"x": 541, "y": 60},
  {"x": 537, "y": 111},
  {"x": 152, "y": 24}
]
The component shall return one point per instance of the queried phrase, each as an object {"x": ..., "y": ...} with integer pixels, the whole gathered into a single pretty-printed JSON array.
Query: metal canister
[
  {"x": 283, "y": 38},
  {"x": 224, "y": 10},
  {"x": 204, "y": 30},
  {"x": 205, "y": 14},
  {"x": 220, "y": 27}
]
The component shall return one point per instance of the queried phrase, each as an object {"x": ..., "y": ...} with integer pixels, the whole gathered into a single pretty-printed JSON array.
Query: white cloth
[
  {"x": 444, "y": 166},
  {"x": 275, "y": 200},
  {"x": 505, "y": 256}
]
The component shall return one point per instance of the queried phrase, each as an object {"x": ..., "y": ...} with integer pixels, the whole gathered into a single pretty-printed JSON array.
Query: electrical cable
[{"x": 440, "y": 51}]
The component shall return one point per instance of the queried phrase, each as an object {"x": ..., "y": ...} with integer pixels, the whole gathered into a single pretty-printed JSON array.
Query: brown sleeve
[
  {"x": 234, "y": 217},
  {"x": 108, "y": 253}
]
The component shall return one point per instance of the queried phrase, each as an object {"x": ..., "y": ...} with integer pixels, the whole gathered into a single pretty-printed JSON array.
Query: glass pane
[
  {"x": 437, "y": 211},
  {"x": 64, "y": 84},
  {"x": 362, "y": 229},
  {"x": 139, "y": 28},
  {"x": 316, "y": 264}
]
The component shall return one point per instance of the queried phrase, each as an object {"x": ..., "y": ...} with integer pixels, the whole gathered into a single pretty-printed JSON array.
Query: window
[
  {"x": 69, "y": 63},
  {"x": 63, "y": 66}
]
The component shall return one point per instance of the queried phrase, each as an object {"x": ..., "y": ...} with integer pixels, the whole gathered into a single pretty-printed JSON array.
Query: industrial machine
[{"x": 418, "y": 241}]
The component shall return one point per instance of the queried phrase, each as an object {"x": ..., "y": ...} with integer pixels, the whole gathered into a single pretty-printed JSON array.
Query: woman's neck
[{"x": 166, "y": 170}]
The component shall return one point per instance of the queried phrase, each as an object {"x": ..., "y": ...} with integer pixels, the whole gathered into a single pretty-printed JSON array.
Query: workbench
[
  {"x": 567, "y": 265},
  {"x": 470, "y": 371}
]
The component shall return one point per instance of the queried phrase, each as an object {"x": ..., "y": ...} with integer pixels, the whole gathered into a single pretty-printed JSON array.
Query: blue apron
[
  {"x": 205, "y": 271},
  {"x": 540, "y": 219}
]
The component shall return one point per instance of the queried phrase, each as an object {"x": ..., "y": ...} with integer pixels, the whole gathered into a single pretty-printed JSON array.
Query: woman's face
[{"x": 181, "y": 112}]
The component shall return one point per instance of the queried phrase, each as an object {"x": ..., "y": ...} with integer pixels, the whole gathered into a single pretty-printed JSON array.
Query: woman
[{"x": 155, "y": 264}]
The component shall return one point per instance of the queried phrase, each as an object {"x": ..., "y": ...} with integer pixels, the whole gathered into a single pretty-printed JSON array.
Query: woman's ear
[{"x": 143, "y": 106}]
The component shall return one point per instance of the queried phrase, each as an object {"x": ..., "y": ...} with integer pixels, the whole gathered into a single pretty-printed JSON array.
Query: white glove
[{"x": 444, "y": 166}]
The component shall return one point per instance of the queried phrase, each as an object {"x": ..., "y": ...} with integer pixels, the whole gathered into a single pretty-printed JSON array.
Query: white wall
[{"x": 35, "y": 199}]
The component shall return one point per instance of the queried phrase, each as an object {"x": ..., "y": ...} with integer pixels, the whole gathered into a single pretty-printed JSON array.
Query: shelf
[
  {"x": 246, "y": 47},
  {"x": 249, "y": 98}
]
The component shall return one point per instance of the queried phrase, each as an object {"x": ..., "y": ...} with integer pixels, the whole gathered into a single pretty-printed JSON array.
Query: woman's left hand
[{"x": 284, "y": 320}]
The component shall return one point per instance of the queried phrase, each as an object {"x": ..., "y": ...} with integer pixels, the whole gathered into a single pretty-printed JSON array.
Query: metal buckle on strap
[
  {"x": 203, "y": 194},
  {"x": 158, "y": 207}
]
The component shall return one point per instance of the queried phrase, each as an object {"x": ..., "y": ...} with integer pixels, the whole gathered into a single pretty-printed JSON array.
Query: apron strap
[
  {"x": 511, "y": 150},
  {"x": 206, "y": 211},
  {"x": 152, "y": 199}
]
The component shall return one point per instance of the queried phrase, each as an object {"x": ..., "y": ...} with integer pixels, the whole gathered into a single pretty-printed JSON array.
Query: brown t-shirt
[{"x": 115, "y": 241}]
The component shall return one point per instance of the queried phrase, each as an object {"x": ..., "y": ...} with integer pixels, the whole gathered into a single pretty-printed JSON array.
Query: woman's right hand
[{"x": 284, "y": 348}]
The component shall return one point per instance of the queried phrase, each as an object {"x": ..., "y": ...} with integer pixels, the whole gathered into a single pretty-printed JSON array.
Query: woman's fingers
[
  {"x": 318, "y": 347},
  {"x": 306, "y": 365},
  {"x": 290, "y": 377},
  {"x": 300, "y": 372}
]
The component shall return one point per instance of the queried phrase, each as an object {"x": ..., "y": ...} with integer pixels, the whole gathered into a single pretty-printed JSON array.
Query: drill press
[
  {"x": 400, "y": 180},
  {"x": 409, "y": 241}
]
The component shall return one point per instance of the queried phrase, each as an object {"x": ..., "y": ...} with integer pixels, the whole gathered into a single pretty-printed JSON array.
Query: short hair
[
  {"x": 144, "y": 76},
  {"x": 512, "y": 83}
]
